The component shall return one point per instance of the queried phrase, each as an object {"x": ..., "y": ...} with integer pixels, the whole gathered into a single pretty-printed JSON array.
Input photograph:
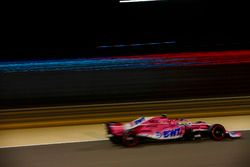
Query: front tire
[{"x": 217, "y": 132}]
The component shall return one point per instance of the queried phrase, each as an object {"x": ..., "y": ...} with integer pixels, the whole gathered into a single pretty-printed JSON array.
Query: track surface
[{"x": 102, "y": 153}]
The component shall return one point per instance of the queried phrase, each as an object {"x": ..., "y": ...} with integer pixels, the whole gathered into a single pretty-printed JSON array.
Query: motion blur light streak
[
  {"x": 128, "y": 1},
  {"x": 131, "y": 62},
  {"x": 136, "y": 44}
]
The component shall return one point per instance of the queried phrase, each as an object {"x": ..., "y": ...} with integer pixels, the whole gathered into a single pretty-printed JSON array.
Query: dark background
[
  {"x": 46, "y": 30},
  {"x": 110, "y": 86},
  {"x": 71, "y": 29}
]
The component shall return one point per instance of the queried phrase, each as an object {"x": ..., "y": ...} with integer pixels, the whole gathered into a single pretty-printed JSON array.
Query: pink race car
[{"x": 162, "y": 128}]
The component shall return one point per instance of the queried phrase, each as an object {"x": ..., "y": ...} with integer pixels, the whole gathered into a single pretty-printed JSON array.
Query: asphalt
[{"x": 207, "y": 153}]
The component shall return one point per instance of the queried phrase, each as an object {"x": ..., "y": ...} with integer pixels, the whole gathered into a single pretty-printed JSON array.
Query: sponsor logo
[
  {"x": 158, "y": 134},
  {"x": 168, "y": 133},
  {"x": 138, "y": 121}
]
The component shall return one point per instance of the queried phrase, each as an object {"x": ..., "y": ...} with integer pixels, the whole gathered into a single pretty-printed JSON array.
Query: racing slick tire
[
  {"x": 115, "y": 140},
  {"x": 217, "y": 132},
  {"x": 129, "y": 139}
]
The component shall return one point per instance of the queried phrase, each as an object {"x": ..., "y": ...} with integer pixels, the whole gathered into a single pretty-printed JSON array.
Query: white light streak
[{"x": 129, "y": 1}]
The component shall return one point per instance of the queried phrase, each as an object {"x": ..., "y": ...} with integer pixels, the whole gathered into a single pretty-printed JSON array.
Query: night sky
[{"x": 35, "y": 30}]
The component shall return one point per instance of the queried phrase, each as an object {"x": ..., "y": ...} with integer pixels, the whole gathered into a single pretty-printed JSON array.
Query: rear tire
[
  {"x": 115, "y": 140},
  {"x": 217, "y": 132},
  {"x": 129, "y": 139}
]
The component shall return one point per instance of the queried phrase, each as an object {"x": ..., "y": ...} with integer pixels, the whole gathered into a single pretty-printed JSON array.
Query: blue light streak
[{"x": 110, "y": 63}]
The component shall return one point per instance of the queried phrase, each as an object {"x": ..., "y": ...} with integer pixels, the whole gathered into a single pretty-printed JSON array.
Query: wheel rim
[{"x": 218, "y": 132}]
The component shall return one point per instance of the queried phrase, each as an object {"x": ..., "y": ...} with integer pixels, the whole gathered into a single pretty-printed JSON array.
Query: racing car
[{"x": 163, "y": 128}]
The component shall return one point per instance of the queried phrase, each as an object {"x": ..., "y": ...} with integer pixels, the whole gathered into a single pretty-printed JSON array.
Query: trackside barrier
[{"x": 101, "y": 113}]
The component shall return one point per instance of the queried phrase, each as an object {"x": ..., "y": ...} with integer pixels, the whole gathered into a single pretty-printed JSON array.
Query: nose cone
[{"x": 234, "y": 134}]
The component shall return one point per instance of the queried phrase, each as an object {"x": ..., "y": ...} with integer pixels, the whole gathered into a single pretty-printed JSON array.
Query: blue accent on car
[
  {"x": 138, "y": 121},
  {"x": 158, "y": 134},
  {"x": 170, "y": 133}
]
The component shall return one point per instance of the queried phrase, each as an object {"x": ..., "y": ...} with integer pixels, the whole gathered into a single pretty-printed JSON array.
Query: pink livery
[{"x": 162, "y": 128}]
